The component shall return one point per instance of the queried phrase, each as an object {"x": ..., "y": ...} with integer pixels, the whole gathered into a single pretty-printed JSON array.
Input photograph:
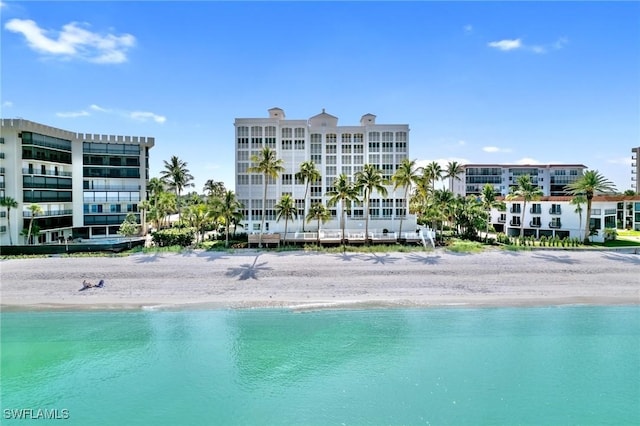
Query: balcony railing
[
  {"x": 502, "y": 220},
  {"x": 27, "y": 171},
  {"x": 534, "y": 224},
  {"x": 555, "y": 224},
  {"x": 556, "y": 210},
  {"x": 535, "y": 210},
  {"x": 514, "y": 223},
  {"x": 48, "y": 213},
  {"x": 515, "y": 210}
]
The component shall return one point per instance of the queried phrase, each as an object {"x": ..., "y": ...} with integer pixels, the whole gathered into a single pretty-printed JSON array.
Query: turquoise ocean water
[{"x": 575, "y": 365}]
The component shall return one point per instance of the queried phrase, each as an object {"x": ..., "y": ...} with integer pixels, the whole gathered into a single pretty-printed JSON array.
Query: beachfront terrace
[{"x": 334, "y": 237}]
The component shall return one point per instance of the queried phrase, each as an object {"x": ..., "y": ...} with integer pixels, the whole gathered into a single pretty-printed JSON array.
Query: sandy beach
[{"x": 301, "y": 280}]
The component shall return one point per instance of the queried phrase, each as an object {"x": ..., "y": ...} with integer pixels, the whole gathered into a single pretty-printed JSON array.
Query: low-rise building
[{"x": 557, "y": 216}]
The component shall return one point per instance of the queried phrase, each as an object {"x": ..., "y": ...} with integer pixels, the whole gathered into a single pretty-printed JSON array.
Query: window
[
  {"x": 243, "y": 131},
  {"x": 331, "y": 138},
  {"x": 256, "y": 131},
  {"x": 515, "y": 221},
  {"x": 555, "y": 209},
  {"x": 346, "y": 159},
  {"x": 346, "y": 149},
  {"x": 516, "y": 208},
  {"x": 287, "y": 179},
  {"x": 374, "y": 146},
  {"x": 316, "y": 158},
  {"x": 374, "y": 137},
  {"x": 358, "y": 137},
  {"x": 243, "y": 179},
  {"x": 535, "y": 222},
  {"x": 299, "y": 144},
  {"x": 287, "y": 133},
  {"x": 243, "y": 155},
  {"x": 401, "y": 136},
  {"x": 331, "y": 149},
  {"x": 316, "y": 138},
  {"x": 287, "y": 145},
  {"x": 536, "y": 209},
  {"x": 256, "y": 179},
  {"x": 331, "y": 159},
  {"x": 387, "y": 136},
  {"x": 346, "y": 138},
  {"x": 299, "y": 132},
  {"x": 555, "y": 223}
]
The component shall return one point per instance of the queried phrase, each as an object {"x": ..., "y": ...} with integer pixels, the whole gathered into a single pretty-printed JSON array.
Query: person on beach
[{"x": 88, "y": 284}]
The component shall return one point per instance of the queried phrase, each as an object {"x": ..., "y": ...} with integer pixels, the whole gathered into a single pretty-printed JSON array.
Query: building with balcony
[
  {"x": 335, "y": 150},
  {"x": 556, "y": 216},
  {"x": 551, "y": 178},
  {"x": 635, "y": 169},
  {"x": 84, "y": 184}
]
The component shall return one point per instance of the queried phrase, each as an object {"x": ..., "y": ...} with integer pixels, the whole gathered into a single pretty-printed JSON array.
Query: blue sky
[{"x": 477, "y": 82}]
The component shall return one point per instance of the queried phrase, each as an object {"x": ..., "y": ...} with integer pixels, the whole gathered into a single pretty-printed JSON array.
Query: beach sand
[{"x": 303, "y": 280}]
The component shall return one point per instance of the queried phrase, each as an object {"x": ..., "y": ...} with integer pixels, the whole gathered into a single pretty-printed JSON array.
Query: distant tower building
[
  {"x": 551, "y": 178},
  {"x": 334, "y": 150},
  {"x": 635, "y": 171}
]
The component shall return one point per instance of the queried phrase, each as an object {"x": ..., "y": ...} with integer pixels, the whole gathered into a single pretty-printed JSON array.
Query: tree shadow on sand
[
  {"x": 556, "y": 258},
  {"x": 148, "y": 258},
  {"x": 623, "y": 257},
  {"x": 248, "y": 270},
  {"x": 424, "y": 259}
]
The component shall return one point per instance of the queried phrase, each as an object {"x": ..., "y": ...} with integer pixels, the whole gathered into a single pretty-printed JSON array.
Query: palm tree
[
  {"x": 406, "y": 175},
  {"x": 433, "y": 171},
  {"x": 441, "y": 208},
  {"x": 344, "y": 192},
  {"x": 308, "y": 173},
  {"x": 199, "y": 216},
  {"x": 35, "y": 210},
  {"x": 369, "y": 179},
  {"x": 214, "y": 189},
  {"x": 177, "y": 177},
  {"x": 320, "y": 213},
  {"x": 452, "y": 171},
  {"x": 9, "y": 203},
  {"x": 526, "y": 190},
  {"x": 155, "y": 188},
  {"x": 578, "y": 200},
  {"x": 590, "y": 183},
  {"x": 488, "y": 197},
  {"x": 270, "y": 166},
  {"x": 229, "y": 208},
  {"x": 286, "y": 208}
]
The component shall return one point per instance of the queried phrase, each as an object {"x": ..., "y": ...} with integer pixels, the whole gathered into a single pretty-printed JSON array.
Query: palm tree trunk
[
  {"x": 286, "y": 222},
  {"x": 306, "y": 190},
  {"x": 318, "y": 236},
  {"x": 264, "y": 211},
  {"x": 343, "y": 222},
  {"x": 587, "y": 231},
  {"x": 524, "y": 211},
  {"x": 226, "y": 242},
  {"x": 9, "y": 224},
  {"x": 366, "y": 222}
]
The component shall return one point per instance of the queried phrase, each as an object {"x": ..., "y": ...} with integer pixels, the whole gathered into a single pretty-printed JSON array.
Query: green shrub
[{"x": 174, "y": 237}]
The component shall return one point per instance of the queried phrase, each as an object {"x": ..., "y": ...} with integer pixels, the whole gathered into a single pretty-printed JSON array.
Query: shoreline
[{"x": 303, "y": 281}]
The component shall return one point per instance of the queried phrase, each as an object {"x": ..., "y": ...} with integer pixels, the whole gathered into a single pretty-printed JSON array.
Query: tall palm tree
[
  {"x": 270, "y": 166},
  {"x": 286, "y": 208},
  {"x": 229, "y": 208},
  {"x": 405, "y": 176},
  {"x": 199, "y": 216},
  {"x": 526, "y": 190},
  {"x": 35, "y": 210},
  {"x": 308, "y": 173},
  {"x": 452, "y": 171},
  {"x": 214, "y": 189},
  {"x": 590, "y": 183},
  {"x": 144, "y": 207},
  {"x": 489, "y": 201},
  {"x": 442, "y": 208},
  {"x": 344, "y": 192},
  {"x": 320, "y": 213},
  {"x": 9, "y": 203},
  {"x": 369, "y": 179},
  {"x": 433, "y": 171},
  {"x": 421, "y": 194},
  {"x": 177, "y": 176},
  {"x": 578, "y": 200}
]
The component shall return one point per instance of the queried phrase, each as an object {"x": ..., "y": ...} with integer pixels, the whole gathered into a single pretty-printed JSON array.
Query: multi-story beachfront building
[
  {"x": 551, "y": 178},
  {"x": 334, "y": 150},
  {"x": 635, "y": 171},
  {"x": 556, "y": 216},
  {"x": 85, "y": 184}
]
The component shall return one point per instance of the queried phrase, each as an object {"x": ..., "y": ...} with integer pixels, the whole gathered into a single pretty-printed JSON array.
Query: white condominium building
[
  {"x": 334, "y": 150},
  {"x": 551, "y": 178},
  {"x": 84, "y": 184}
]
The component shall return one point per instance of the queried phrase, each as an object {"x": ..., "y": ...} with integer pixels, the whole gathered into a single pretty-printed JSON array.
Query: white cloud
[
  {"x": 527, "y": 160},
  {"x": 506, "y": 45},
  {"x": 495, "y": 149},
  {"x": 145, "y": 116},
  {"x": 72, "y": 114},
  {"x": 98, "y": 108},
  {"x": 468, "y": 29},
  {"x": 517, "y": 44},
  {"x": 7, "y": 104},
  {"x": 462, "y": 143},
  {"x": 74, "y": 41}
]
